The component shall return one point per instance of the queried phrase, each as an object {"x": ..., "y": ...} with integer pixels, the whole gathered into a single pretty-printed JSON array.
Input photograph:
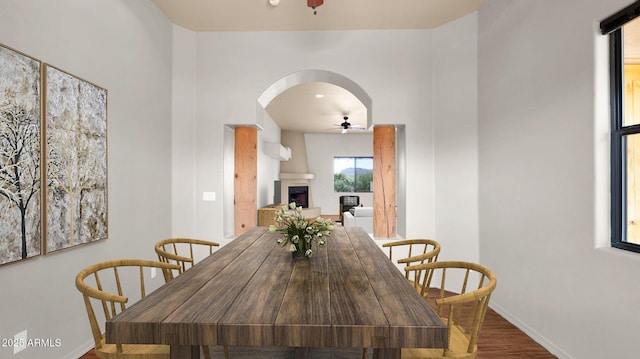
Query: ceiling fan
[{"x": 346, "y": 125}]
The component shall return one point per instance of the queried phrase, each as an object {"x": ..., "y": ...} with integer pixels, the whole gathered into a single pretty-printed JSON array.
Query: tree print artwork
[
  {"x": 76, "y": 132},
  {"x": 20, "y": 176},
  {"x": 64, "y": 200}
]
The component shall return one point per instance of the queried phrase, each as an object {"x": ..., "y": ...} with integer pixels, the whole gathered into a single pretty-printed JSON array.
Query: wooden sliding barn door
[
  {"x": 384, "y": 181},
  {"x": 245, "y": 185}
]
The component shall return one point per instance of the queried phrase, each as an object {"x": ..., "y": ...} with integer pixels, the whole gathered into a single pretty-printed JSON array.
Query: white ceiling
[
  {"x": 294, "y": 15},
  {"x": 297, "y": 109}
]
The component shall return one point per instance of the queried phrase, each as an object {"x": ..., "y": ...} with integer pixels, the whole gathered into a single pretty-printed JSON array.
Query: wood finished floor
[{"x": 499, "y": 339}]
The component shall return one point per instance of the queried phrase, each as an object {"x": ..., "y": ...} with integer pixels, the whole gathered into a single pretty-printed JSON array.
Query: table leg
[
  {"x": 185, "y": 352},
  {"x": 386, "y": 353}
]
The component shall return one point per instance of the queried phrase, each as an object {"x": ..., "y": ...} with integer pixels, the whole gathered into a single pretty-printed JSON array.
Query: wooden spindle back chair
[
  {"x": 460, "y": 292},
  {"x": 181, "y": 251},
  {"x": 107, "y": 288},
  {"x": 413, "y": 252}
]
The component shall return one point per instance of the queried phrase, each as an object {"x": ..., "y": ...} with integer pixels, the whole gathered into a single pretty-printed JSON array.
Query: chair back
[
  {"x": 108, "y": 287},
  {"x": 180, "y": 251},
  {"x": 346, "y": 203},
  {"x": 412, "y": 252},
  {"x": 460, "y": 292}
]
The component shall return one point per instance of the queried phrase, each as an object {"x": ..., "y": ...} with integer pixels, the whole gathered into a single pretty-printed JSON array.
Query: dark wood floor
[{"x": 499, "y": 339}]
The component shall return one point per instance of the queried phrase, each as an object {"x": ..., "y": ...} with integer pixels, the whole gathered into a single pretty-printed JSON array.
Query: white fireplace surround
[
  {"x": 298, "y": 179},
  {"x": 295, "y": 179}
]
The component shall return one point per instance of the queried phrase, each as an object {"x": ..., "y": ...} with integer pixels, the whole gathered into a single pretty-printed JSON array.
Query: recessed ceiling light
[
  {"x": 274, "y": 2},
  {"x": 319, "y": 95}
]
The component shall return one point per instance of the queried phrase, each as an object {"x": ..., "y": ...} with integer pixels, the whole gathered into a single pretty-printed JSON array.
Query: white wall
[
  {"x": 537, "y": 156},
  {"x": 125, "y": 47},
  {"x": 320, "y": 152},
  {"x": 183, "y": 134},
  {"x": 393, "y": 67},
  {"x": 455, "y": 140},
  {"x": 268, "y": 166}
]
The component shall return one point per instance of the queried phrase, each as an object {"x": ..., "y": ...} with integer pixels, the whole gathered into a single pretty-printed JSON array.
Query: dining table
[{"x": 253, "y": 293}]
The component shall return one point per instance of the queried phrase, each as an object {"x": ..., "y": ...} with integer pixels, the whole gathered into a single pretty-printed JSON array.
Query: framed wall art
[
  {"x": 20, "y": 161},
  {"x": 75, "y": 127}
]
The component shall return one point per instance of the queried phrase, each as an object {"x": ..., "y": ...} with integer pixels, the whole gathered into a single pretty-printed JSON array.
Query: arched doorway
[{"x": 316, "y": 75}]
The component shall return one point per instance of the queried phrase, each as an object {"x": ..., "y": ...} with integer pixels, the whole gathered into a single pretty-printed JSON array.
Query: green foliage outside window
[
  {"x": 342, "y": 183},
  {"x": 353, "y": 174}
]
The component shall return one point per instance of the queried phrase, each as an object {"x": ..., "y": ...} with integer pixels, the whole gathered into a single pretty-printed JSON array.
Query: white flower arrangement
[{"x": 298, "y": 232}]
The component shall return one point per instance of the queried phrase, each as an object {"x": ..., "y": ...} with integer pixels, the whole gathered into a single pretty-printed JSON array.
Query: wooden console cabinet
[{"x": 267, "y": 215}]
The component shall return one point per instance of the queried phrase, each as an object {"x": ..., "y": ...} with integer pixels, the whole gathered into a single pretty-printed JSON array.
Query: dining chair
[
  {"x": 412, "y": 252},
  {"x": 107, "y": 288},
  {"x": 460, "y": 292},
  {"x": 180, "y": 251}
]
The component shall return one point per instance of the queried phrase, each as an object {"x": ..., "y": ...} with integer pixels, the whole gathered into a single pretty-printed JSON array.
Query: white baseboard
[
  {"x": 540, "y": 339},
  {"x": 81, "y": 350}
]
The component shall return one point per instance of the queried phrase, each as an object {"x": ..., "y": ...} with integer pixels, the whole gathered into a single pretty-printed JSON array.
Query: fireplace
[{"x": 299, "y": 195}]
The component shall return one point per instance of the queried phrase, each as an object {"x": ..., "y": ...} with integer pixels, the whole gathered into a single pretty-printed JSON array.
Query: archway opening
[{"x": 320, "y": 76}]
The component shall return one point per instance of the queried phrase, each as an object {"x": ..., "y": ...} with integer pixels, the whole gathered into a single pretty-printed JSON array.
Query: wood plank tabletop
[{"x": 251, "y": 292}]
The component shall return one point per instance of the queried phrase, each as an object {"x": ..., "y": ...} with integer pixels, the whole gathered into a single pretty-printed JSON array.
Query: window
[
  {"x": 353, "y": 174},
  {"x": 623, "y": 29}
]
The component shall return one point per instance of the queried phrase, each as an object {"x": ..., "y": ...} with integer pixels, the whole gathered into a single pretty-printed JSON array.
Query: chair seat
[
  {"x": 133, "y": 351},
  {"x": 458, "y": 345}
]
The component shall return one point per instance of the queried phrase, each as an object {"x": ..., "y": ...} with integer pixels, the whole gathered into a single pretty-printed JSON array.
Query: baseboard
[
  {"x": 540, "y": 339},
  {"x": 81, "y": 350}
]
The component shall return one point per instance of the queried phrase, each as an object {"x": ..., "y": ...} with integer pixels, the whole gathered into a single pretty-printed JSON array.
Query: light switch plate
[{"x": 208, "y": 196}]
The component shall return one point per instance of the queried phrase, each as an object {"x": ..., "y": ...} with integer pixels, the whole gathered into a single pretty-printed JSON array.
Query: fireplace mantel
[{"x": 296, "y": 176}]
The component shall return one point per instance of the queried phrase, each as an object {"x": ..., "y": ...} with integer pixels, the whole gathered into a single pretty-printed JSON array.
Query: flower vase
[
  {"x": 298, "y": 233},
  {"x": 299, "y": 254}
]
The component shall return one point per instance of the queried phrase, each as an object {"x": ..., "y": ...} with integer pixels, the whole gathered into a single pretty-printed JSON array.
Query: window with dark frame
[
  {"x": 352, "y": 174},
  {"x": 623, "y": 29}
]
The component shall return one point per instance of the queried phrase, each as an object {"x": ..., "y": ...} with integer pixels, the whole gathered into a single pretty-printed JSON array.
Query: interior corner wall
[
  {"x": 537, "y": 154},
  {"x": 401, "y": 182},
  {"x": 268, "y": 167},
  {"x": 456, "y": 138},
  {"x": 94, "y": 40},
  {"x": 228, "y": 195}
]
